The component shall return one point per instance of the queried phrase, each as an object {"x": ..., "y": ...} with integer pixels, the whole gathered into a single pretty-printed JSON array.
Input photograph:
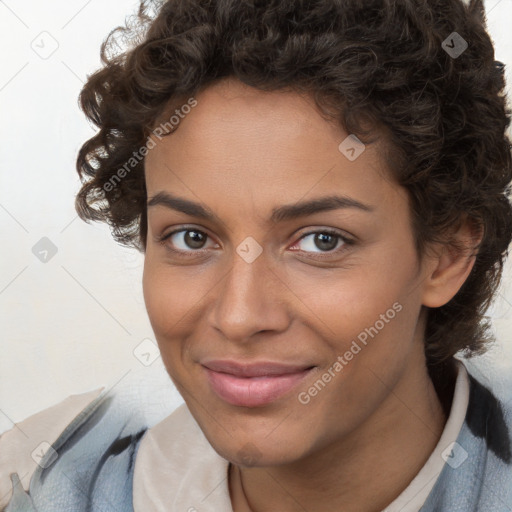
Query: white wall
[{"x": 71, "y": 324}]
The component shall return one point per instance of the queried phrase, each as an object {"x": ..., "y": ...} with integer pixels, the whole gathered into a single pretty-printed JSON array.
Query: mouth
[{"x": 255, "y": 384}]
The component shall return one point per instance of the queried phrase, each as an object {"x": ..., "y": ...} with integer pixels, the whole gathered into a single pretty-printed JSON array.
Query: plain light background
[{"x": 77, "y": 321}]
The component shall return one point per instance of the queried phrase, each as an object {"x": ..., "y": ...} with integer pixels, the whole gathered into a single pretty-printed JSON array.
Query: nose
[{"x": 251, "y": 298}]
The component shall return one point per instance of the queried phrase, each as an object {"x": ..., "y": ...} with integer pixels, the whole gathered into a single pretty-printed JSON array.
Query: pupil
[
  {"x": 321, "y": 238},
  {"x": 192, "y": 240}
]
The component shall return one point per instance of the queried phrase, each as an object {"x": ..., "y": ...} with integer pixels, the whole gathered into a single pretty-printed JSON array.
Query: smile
[{"x": 253, "y": 386}]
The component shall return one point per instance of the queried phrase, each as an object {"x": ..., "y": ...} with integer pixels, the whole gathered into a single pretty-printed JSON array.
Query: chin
[{"x": 259, "y": 451}]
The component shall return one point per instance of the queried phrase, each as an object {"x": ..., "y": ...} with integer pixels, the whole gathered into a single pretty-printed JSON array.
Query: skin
[{"x": 242, "y": 152}]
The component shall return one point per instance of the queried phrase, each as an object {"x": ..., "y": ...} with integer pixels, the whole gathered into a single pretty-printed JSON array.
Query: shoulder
[
  {"x": 84, "y": 445},
  {"x": 23, "y": 445},
  {"x": 477, "y": 474},
  {"x": 490, "y": 419}
]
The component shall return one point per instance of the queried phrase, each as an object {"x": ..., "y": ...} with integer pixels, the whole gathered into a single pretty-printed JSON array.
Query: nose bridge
[{"x": 248, "y": 298}]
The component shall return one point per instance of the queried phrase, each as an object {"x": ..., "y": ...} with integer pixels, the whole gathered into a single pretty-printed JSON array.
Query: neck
[{"x": 363, "y": 472}]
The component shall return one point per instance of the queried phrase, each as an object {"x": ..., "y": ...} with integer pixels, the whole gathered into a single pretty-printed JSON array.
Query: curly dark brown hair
[{"x": 445, "y": 116}]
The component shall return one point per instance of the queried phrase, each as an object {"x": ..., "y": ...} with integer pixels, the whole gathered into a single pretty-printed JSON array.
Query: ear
[{"x": 449, "y": 268}]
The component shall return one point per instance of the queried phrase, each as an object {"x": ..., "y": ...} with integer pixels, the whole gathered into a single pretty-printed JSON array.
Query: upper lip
[{"x": 257, "y": 369}]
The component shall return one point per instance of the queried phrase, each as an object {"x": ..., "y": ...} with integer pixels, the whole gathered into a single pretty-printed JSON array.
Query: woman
[{"x": 320, "y": 192}]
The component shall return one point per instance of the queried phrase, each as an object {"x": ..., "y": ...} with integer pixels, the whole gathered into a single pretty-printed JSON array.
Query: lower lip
[{"x": 253, "y": 391}]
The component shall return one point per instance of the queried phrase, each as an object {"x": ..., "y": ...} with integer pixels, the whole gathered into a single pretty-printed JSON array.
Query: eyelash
[{"x": 162, "y": 240}]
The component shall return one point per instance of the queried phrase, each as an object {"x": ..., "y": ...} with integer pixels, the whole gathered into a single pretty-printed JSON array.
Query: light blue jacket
[{"x": 96, "y": 456}]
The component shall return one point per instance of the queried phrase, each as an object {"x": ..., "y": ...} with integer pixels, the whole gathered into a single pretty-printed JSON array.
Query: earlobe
[{"x": 450, "y": 268}]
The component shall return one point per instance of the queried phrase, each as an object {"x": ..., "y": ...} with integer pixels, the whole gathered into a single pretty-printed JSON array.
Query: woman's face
[{"x": 331, "y": 294}]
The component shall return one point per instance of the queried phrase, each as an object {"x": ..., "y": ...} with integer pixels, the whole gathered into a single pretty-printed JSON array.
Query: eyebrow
[{"x": 279, "y": 214}]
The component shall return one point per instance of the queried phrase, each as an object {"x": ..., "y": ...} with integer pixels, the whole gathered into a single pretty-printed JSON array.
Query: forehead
[
  {"x": 249, "y": 120},
  {"x": 262, "y": 144}
]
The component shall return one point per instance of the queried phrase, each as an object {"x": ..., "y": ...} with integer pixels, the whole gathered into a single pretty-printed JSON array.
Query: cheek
[
  {"x": 367, "y": 329},
  {"x": 347, "y": 302},
  {"x": 173, "y": 297},
  {"x": 374, "y": 305},
  {"x": 167, "y": 305},
  {"x": 164, "y": 297}
]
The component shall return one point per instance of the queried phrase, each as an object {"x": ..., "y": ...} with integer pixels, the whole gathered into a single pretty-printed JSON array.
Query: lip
[{"x": 253, "y": 384}]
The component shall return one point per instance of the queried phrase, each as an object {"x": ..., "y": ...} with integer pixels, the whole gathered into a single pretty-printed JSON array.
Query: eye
[
  {"x": 184, "y": 240},
  {"x": 326, "y": 240},
  {"x": 191, "y": 241}
]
